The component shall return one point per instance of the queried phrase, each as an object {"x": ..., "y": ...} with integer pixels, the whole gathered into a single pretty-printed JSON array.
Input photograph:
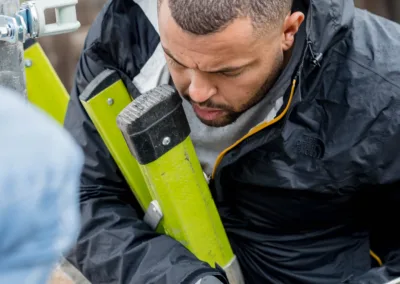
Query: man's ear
[{"x": 291, "y": 26}]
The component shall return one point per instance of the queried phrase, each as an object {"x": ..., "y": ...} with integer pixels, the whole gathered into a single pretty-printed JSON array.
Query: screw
[
  {"x": 110, "y": 101},
  {"x": 28, "y": 63},
  {"x": 166, "y": 141}
]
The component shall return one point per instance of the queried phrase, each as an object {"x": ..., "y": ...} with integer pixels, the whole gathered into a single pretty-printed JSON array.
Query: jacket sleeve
[
  {"x": 115, "y": 245},
  {"x": 383, "y": 212},
  {"x": 384, "y": 236}
]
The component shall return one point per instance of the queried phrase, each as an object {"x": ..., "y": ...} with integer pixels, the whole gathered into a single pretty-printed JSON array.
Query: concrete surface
[{"x": 65, "y": 273}]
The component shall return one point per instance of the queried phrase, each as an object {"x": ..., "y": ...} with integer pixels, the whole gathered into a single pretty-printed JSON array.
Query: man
[
  {"x": 40, "y": 166},
  {"x": 295, "y": 115}
]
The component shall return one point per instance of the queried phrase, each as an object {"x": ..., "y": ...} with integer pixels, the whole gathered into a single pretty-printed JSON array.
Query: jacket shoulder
[
  {"x": 124, "y": 35},
  {"x": 369, "y": 64},
  {"x": 374, "y": 44},
  {"x": 359, "y": 95}
]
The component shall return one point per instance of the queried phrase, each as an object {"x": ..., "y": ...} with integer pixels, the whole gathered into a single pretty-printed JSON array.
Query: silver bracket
[
  {"x": 153, "y": 215},
  {"x": 13, "y": 29},
  {"x": 30, "y": 21}
]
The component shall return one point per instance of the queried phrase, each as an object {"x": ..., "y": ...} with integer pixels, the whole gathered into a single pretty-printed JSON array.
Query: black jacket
[{"x": 303, "y": 200}]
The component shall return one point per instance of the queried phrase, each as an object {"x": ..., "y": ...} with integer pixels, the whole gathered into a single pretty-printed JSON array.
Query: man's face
[{"x": 223, "y": 74}]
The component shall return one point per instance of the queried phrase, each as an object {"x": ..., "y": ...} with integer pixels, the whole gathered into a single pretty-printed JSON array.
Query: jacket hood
[{"x": 327, "y": 22}]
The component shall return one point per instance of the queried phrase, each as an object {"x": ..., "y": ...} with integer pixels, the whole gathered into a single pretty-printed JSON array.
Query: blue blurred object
[{"x": 40, "y": 166}]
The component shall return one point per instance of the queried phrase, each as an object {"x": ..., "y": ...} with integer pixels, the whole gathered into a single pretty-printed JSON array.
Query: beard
[{"x": 231, "y": 114}]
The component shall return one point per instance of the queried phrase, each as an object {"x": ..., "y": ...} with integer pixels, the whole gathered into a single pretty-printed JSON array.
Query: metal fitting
[{"x": 30, "y": 21}]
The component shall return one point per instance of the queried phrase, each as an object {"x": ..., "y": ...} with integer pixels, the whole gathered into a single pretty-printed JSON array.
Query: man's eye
[
  {"x": 173, "y": 63},
  {"x": 232, "y": 73}
]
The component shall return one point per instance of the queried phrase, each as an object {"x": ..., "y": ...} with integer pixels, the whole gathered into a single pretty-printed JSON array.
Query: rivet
[
  {"x": 28, "y": 63},
  {"x": 166, "y": 141}
]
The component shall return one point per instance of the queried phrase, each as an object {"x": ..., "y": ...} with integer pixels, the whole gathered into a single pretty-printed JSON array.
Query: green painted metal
[
  {"x": 103, "y": 109},
  {"x": 175, "y": 179},
  {"x": 177, "y": 182},
  {"x": 44, "y": 88}
]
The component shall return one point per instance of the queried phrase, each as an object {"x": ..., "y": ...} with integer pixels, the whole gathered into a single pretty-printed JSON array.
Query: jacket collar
[{"x": 327, "y": 22}]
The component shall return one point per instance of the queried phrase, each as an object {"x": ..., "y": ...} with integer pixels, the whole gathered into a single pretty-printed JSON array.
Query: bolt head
[
  {"x": 166, "y": 141},
  {"x": 28, "y": 63}
]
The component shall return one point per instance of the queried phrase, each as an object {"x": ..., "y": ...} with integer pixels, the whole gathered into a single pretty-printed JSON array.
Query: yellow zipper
[
  {"x": 376, "y": 257},
  {"x": 256, "y": 129},
  {"x": 262, "y": 126}
]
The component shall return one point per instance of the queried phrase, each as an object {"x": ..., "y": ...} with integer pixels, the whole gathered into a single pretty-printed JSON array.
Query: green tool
[{"x": 157, "y": 132}]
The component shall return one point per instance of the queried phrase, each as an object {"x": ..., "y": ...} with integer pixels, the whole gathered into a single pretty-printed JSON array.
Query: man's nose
[{"x": 201, "y": 88}]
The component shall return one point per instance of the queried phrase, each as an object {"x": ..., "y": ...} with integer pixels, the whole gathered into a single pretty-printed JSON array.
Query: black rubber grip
[{"x": 154, "y": 123}]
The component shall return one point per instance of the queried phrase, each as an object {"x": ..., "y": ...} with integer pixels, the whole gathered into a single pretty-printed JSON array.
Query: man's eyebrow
[
  {"x": 222, "y": 70},
  {"x": 167, "y": 52},
  {"x": 228, "y": 69}
]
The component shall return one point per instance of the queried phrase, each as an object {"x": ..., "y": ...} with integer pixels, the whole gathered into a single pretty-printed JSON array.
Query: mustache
[{"x": 208, "y": 104}]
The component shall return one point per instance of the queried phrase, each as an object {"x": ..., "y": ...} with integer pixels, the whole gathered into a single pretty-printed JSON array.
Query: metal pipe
[{"x": 12, "y": 68}]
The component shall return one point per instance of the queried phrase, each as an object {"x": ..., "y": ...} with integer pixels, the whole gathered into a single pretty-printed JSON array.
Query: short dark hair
[{"x": 203, "y": 17}]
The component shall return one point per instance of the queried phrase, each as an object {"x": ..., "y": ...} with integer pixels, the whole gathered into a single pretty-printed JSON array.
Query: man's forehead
[
  {"x": 208, "y": 53},
  {"x": 237, "y": 36},
  {"x": 235, "y": 45},
  {"x": 240, "y": 28}
]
